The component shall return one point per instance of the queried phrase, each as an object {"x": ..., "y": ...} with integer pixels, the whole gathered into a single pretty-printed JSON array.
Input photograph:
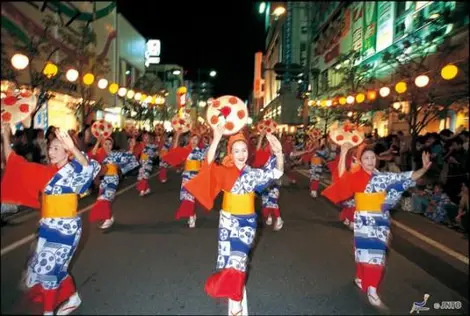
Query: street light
[
  {"x": 213, "y": 73},
  {"x": 176, "y": 72},
  {"x": 262, "y": 7},
  {"x": 279, "y": 11}
]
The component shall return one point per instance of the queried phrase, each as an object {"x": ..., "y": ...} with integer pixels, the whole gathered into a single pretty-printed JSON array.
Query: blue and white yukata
[
  {"x": 46, "y": 276},
  {"x": 115, "y": 161},
  {"x": 146, "y": 164},
  {"x": 316, "y": 168},
  {"x": 372, "y": 228},
  {"x": 163, "y": 165},
  {"x": 187, "y": 207}
]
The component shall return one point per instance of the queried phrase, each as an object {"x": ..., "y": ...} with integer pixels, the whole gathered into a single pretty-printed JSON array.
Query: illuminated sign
[
  {"x": 152, "y": 52},
  {"x": 385, "y": 26}
]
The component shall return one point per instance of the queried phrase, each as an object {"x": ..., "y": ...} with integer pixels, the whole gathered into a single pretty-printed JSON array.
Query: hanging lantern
[
  {"x": 371, "y": 95},
  {"x": 329, "y": 102},
  {"x": 50, "y": 70},
  {"x": 88, "y": 79},
  {"x": 449, "y": 72},
  {"x": 103, "y": 83},
  {"x": 350, "y": 99},
  {"x": 360, "y": 98},
  {"x": 143, "y": 97},
  {"x": 130, "y": 94},
  {"x": 72, "y": 75},
  {"x": 323, "y": 102},
  {"x": 384, "y": 92},
  {"x": 122, "y": 92},
  {"x": 113, "y": 88},
  {"x": 342, "y": 100},
  {"x": 422, "y": 81},
  {"x": 138, "y": 96},
  {"x": 19, "y": 61},
  {"x": 148, "y": 99},
  {"x": 400, "y": 87}
]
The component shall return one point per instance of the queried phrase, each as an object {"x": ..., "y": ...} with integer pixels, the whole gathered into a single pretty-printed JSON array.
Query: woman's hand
[
  {"x": 219, "y": 132},
  {"x": 275, "y": 144},
  {"x": 65, "y": 139},
  {"x": 426, "y": 160}
]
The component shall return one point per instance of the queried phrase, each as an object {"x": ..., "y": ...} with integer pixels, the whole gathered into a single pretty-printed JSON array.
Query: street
[{"x": 151, "y": 264}]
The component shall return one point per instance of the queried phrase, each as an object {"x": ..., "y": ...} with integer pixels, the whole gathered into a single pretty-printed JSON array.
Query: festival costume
[
  {"x": 146, "y": 164},
  {"x": 316, "y": 169},
  {"x": 270, "y": 196},
  {"x": 113, "y": 162},
  {"x": 163, "y": 166},
  {"x": 237, "y": 220},
  {"x": 60, "y": 227},
  {"x": 192, "y": 159},
  {"x": 374, "y": 197}
]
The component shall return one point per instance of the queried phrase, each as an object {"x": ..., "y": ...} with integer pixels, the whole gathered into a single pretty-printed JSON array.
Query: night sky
[{"x": 196, "y": 34}]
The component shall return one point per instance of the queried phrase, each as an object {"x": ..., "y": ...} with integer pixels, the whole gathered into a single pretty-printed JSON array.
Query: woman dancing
[{"x": 47, "y": 277}]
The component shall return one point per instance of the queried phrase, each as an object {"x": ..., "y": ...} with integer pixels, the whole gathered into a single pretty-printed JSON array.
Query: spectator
[{"x": 437, "y": 207}]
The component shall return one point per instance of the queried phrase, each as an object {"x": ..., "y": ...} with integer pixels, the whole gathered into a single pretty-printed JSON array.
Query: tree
[
  {"x": 429, "y": 103},
  {"x": 152, "y": 84},
  {"x": 85, "y": 60},
  {"x": 8, "y": 72},
  {"x": 325, "y": 117}
]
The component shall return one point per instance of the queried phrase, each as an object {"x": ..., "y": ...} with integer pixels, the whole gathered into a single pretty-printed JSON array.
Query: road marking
[
  {"x": 431, "y": 242},
  {"x": 31, "y": 237}
]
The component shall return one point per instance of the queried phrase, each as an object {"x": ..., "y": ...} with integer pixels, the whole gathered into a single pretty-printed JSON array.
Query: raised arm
[
  {"x": 276, "y": 148},
  {"x": 218, "y": 133},
  {"x": 342, "y": 158},
  {"x": 6, "y": 133}
]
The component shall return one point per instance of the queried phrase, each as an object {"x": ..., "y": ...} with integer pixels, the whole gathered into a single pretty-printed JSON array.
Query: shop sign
[
  {"x": 357, "y": 25},
  {"x": 385, "y": 20},
  {"x": 370, "y": 27},
  {"x": 152, "y": 52}
]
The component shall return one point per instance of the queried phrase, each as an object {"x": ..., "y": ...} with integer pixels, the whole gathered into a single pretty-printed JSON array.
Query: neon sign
[{"x": 152, "y": 52}]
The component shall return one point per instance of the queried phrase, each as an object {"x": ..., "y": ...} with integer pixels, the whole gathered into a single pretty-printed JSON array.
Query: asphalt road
[{"x": 151, "y": 264}]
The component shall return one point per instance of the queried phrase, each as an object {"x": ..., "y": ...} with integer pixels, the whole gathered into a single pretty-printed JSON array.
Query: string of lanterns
[
  {"x": 448, "y": 72},
  {"x": 50, "y": 70}
]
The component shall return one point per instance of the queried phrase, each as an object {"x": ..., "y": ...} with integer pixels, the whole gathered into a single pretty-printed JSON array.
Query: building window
[
  {"x": 324, "y": 81},
  {"x": 400, "y": 8}
]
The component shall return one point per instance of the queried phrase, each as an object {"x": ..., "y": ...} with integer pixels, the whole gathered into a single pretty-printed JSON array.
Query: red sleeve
[
  {"x": 344, "y": 187},
  {"x": 261, "y": 157},
  {"x": 333, "y": 166},
  {"x": 306, "y": 157},
  {"x": 138, "y": 149},
  {"x": 205, "y": 186},
  {"x": 176, "y": 156},
  {"x": 23, "y": 181},
  {"x": 100, "y": 155}
]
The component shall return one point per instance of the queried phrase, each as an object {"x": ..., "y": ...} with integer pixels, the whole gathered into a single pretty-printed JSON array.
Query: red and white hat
[
  {"x": 228, "y": 110},
  {"x": 347, "y": 133},
  {"x": 102, "y": 128},
  {"x": 182, "y": 123},
  {"x": 17, "y": 107},
  {"x": 267, "y": 126}
]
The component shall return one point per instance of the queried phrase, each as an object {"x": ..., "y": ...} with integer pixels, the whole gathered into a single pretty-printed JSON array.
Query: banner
[
  {"x": 357, "y": 25},
  {"x": 385, "y": 20},
  {"x": 370, "y": 28}
]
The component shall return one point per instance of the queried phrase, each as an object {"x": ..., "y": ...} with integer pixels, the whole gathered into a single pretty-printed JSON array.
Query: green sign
[{"x": 370, "y": 28}]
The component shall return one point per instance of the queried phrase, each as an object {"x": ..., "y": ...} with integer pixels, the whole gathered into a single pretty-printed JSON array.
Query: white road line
[
  {"x": 429, "y": 241},
  {"x": 31, "y": 237}
]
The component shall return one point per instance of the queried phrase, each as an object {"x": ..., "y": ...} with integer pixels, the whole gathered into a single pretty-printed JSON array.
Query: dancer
[
  {"x": 192, "y": 155},
  {"x": 375, "y": 193},
  {"x": 112, "y": 162},
  {"x": 47, "y": 278},
  {"x": 164, "y": 144},
  {"x": 270, "y": 196},
  {"x": 237, "y": 221},
  {"x": 149, "y": 151},
  {"x": 316, "y": 167}
]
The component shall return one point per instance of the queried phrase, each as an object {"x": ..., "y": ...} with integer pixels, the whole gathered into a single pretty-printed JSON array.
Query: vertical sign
[
  {"x": 257, "y": 77},
  {"x": 370, "y": 28},
  {"x": 357, "y": 25},
  {"x": 288, "y": 39},
  {"x": 385, "y": 20}
]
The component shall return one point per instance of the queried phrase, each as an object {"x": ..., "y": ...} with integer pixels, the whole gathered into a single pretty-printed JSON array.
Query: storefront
[{"x": 61, "y": 112}]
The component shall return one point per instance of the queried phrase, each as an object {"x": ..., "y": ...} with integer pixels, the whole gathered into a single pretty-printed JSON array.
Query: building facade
[{"x": 375, "y": 28}]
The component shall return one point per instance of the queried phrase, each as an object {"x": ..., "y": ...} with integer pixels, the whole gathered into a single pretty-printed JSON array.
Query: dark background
[{"x": 197, "y": 34}]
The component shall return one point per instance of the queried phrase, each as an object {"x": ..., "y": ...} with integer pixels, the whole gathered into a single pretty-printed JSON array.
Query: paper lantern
[
  {"x": 102, "y": 83},
  {"x": 401, "y": 87},
  {"x": 421, "y": 81},
  {"x": 350, "y": 99},
  {"x": 449, "y": 72},
  {"x": 122, "y": 92},
  {"x": 360, "y": 97},
  {"x": 88, "y": 79},
  {"x": 71, "y": 75},
  {"x": 113, "y": 88},
  {"x": 130, "y": 94},
  {"x": 342, "y": 100},
  {"x": 19, "y": 61},
  {"x": 50, "y": 70},
  {"x": 371, "y": 95},
  {"x": 384, "y": 91}
]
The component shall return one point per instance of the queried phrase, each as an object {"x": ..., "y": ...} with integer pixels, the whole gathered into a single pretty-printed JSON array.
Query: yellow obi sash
[
  {"x": 239, "y": 204},
  {"x": 371, "y": 202},
  {"x": 111, "y": 169},
  {"x": 316, "y": 161},
  {"x": 192, "y": 165},
  {"x": 144, "y": 156},
  {"x": 64, "y": 205}
]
